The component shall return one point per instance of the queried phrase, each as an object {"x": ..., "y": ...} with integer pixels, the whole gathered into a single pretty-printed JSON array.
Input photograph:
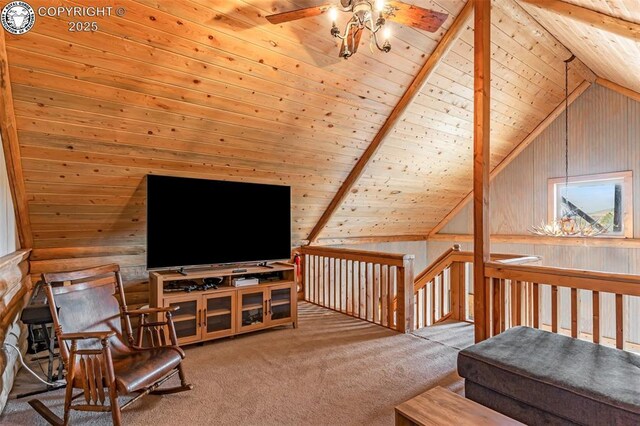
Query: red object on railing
[{"x": 297, "y": 261}]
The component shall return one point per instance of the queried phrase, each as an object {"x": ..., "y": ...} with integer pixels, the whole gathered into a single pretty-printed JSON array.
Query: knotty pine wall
[{"x": 604, "y": 135}]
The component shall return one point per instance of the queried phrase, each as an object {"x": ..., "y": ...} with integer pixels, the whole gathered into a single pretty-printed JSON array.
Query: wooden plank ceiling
[
  {"x": 431, "y": 147},
  {"x": 210, "y": 89},
  {"x": 609, "y": 54}
]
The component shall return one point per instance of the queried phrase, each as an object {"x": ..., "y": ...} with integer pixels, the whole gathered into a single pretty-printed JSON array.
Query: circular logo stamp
[{"x": 18, "y": 17}]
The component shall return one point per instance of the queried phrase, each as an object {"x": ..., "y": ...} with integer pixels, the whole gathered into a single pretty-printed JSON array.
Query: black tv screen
[{"x": 205, "y": 222}]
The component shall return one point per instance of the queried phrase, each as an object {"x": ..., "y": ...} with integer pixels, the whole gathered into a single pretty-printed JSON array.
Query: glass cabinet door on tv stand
[
  {"x": 187, "y": 318},
  {"x": 280, "y": 306},
  {"x": 218, "y": 314},
  {"x": 251, "y": 308}
]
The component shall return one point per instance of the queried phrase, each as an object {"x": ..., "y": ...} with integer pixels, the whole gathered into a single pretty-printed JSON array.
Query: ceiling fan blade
[
  {"x": 353, "y": 42},
  {"x": 415, "y": 16},
  {"x": 294, "y": 15}
]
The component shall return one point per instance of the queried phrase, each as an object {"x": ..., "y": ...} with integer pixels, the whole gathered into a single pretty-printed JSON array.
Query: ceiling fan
[{"x": 370, "y": 15}]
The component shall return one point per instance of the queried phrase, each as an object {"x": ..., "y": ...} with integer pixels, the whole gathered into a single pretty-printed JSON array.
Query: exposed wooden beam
[
  {"x": 481, "y": 159},
  {"x": 537, "y": 239},
  {"x": 590, "y": 17},
  {"x": 514, "y": 153},
  {"x": 618, "y": 88},
  {"x": 419, "y": 81},
  {"x": 11, "y": 148}
]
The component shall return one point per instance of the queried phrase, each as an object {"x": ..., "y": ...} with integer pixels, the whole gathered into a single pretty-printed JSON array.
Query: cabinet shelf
[
  {"x": 218, "y": 312},
  {"x": 280, "y": 302},
  {"x": 252, "y": 307},
  {"x": 183, "y": 317}
]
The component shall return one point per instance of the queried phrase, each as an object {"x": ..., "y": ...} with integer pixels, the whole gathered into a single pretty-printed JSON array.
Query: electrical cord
[{"x": 57, "y": 382}]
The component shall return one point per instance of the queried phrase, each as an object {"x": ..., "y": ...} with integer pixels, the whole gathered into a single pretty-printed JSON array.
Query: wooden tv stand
[{"x": 228, "y": 310}]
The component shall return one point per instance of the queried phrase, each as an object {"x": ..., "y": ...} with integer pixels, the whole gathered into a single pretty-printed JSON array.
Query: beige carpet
[{"x": 332, "y": 370}]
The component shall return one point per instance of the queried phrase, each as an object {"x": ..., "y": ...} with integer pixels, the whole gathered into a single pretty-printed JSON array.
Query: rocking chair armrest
[
  {"x": 101, "y": 335},
  {"x": 147, "y": 311}
]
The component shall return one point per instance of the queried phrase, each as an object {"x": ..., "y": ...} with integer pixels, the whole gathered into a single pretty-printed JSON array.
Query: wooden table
[{"x": 438, "y": 406}]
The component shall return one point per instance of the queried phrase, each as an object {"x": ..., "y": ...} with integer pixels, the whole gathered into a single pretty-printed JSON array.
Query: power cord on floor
[{"x": 56, "y": 383}]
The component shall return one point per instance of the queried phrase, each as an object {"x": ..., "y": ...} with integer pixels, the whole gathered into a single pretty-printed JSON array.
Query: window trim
[{"x": 627, "y": 197}]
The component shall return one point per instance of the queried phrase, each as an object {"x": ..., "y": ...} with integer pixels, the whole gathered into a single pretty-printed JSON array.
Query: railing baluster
[
  {"x": 416, "y": 317},
  {"x": 390, "y": 296},
  {"x": 329, "y": 297},
  {"x": 327, "y": 282},
  {"x": 375, "y": 300},
  {"x": 619, "y": 322},
  {"x": 362, "y": 270},
  {"x": 424, "y": 300},
  {"x": 309, "y": 278},
  {"x": 338, "y": 286},
  {"x": 554, "y": 308},
  {"x": 318, "y": 274},
  {"x": 355, "y": 290},
  {"x": 596, "y": 316},
  {"x": 536, "y": 305},
  {"x": 455, "y": 276},
  {"x": 344, "y": 278},
  {"x": 503, "y": 305},
  {"x": 574, "y": 312},
  {"x": 441, "y": 298},
  {"x": 433, "y": 301},
  {"x": 516, "y": 296},
  {"x": 384, "y": 316},
  {"x": 497, "y": 289}
]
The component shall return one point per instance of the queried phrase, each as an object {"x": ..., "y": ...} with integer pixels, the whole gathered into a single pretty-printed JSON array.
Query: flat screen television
[{"x": 206, "y": 222}]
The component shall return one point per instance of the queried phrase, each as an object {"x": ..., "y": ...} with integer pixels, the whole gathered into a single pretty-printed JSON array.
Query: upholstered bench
[{"x": 538, "y": 377}]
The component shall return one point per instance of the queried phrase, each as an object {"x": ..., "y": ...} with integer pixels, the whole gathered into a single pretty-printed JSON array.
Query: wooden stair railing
[
  {"x": 536, "y": 295},
  {"x": 372, "y": 286},
  {"x": 444, "y": 290},
  {"x": 380, "y": 287}
]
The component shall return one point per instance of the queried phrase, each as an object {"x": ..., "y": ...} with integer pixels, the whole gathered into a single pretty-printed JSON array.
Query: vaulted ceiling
[
  {"x": 613, "y": 55},
  {"x": 210, "y": 89}
]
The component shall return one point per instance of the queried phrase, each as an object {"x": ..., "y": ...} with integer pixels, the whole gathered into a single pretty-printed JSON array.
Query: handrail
[
  {"x": 435, "y": 267},
  {"x": 519, "y": 260},
  {"x": 455, "y": 255},
  {"x": 440, "y": 290},
  {"x": 608, "y": 282},
  {"x": 393, "y": 259},
  {"x": 515, "y": 292}
]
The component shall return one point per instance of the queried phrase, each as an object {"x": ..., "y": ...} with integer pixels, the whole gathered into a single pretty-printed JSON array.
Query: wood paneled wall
[
  {"x": 604, "y": 134},
  {"x": 8, "y": 237}
]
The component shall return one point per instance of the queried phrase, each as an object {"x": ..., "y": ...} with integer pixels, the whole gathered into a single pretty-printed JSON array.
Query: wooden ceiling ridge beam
[
  {"x": 409, "y": 96},
  {"x": 593, "y": 18},
  {"x": 11, "y": 148},
  {"x": 514, "y": 153}
]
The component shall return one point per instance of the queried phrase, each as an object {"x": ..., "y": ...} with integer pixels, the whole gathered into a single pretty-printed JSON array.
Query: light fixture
[
  {"x": 366, "y": 15},
  {"x": 569, "y": 224}
]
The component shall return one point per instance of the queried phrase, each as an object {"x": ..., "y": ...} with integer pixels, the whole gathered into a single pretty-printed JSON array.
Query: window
[{"x": 600, "y": 200}]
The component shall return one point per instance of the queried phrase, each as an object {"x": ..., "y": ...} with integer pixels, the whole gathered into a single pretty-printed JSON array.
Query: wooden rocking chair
[{"x": 88, "y": 308}]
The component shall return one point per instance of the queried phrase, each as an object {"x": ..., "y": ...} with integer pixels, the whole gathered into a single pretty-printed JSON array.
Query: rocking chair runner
[{"x": 88, "y": 308}]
